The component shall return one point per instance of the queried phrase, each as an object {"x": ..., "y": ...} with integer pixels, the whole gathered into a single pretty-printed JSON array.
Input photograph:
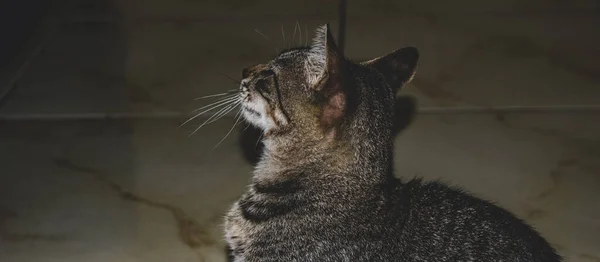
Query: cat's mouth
[
  {"x": 258, "y": 108},
  {"x": 252, "y": 101},
  {"x": 251, "y": 111},
  {"x": 252, "y": 106}
]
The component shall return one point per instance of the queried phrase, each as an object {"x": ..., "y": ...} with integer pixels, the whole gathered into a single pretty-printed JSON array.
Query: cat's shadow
[{"x": 251, "y": 146}]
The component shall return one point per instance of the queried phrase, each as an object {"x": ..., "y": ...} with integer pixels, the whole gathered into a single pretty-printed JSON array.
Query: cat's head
[{"x": 316, "y": 91}]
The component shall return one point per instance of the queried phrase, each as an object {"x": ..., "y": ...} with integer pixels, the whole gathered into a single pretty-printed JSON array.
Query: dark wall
[{"x": 18, "y": 20}]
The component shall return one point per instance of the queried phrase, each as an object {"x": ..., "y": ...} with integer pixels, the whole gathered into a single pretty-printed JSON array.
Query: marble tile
[
  {"x": 467, "y": 7},
  {"x": 200, "y": 10},
  {"x": 158, "y": 56},
  {"x": 162, "y": 66},
  {"x": 115, "y": 191},
  {"x": 146, "y": 190},
  {"x": 157, "y": 67},
  {"x": 22, "y": 44},
  {"x": 543, "y": 167},
  {"x": 489, "y": 59}
]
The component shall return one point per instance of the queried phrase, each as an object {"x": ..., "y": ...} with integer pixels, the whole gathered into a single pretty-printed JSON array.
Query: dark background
[{"x": 94, "y": 165}]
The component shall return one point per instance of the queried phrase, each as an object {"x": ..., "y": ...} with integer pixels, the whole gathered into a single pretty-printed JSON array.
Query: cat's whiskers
[
  {"x": 238, "y": 117},
  {"x": 212, "y": 106},
  {"x": 230, "y": 78},
  {"x": 306, "y": 33},
  {"x": 224, "y": 100},
  {"x": 294, "y": 35},
  {"x": 246, "y": 128},
  {"x": 268, "y": 40},
  {"x": 259, "y": 138},
  {"x": 216, "y": 95},
  {"x": 300, "y": 32},
  {"x": 218, "y": 115},
  {"x": 283, "y": 35},
  {"x": 225, "y": 112}
]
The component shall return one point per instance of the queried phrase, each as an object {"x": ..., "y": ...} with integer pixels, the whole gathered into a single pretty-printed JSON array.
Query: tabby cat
[{"x": 324, "y": 188}]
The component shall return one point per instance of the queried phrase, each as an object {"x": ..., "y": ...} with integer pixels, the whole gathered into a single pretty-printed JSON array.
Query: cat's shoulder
[
  {"x": 438, "y": 195},
  {"x": 418, "y": 185}
]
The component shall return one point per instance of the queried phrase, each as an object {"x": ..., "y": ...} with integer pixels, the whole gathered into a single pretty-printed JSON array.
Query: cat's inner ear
[
  {"x": 324, "y": 59},
  {"x": 398, "y": 67},
  {"x": 324, "y": 72}
]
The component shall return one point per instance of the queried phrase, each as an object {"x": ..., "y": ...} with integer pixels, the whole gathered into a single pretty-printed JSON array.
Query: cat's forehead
[
  {"x": 289, "y": 59},
  {"x": 292, "y": 53}
]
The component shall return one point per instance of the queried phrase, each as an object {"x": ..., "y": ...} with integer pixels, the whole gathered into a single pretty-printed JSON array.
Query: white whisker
[
  {"x": 283, "y": 35},
  {"x": 221, "y": 113},
  {"x": 299, "y": 31},
  {"x": 306, "y": 37},
  {"x": 220, "y": 103},
  {"x": 259, "y": 138},
  {"x": 224, "y": 100},
  {"x": 268, "y": 40},
  {"x": 217, "y": 114},
  {"x": 229, "y": 109},
  {"x": 238, "y": 115},
  {"x": 230, "y": 78},
  {"x": 209, "y": 96},
  {"x": 294, "y": 36}
]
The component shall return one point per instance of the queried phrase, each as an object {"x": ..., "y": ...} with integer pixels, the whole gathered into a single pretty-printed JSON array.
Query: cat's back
[{"x": 447, "y": 224}]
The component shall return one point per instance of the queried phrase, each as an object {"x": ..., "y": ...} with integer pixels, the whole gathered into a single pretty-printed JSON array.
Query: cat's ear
[
  {"x": 324, "y": 59},
  {"x": 324, "y": 67},
  {"x": 398, "y": 67}
]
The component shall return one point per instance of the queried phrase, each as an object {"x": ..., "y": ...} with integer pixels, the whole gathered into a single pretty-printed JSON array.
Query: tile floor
[{"x": 141, "y": 189}]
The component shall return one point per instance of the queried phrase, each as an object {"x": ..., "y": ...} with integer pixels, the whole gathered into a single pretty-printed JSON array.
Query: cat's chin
[{"x": 254, "y": 118}]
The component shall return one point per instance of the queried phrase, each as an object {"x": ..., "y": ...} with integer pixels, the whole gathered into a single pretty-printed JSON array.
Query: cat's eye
[{"x": 262, "y": 86}]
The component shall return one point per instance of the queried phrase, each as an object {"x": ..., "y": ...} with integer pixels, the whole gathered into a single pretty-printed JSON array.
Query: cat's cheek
[
  {"x": 255, "y": 112},
  {"x": 266, "y": 122},
  {"x": 280, "y": 118},
  {"x": 251, "y": 118},
  {"x": 259, "y": 121}
]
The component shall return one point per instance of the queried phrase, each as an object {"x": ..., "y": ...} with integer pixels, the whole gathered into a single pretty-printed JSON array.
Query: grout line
[
  {"x": 476, "y": 13},
  {"x": 423, "y": 111},
  {"x": 94, "y": 116},
  {"x": 509, "y": 109}
]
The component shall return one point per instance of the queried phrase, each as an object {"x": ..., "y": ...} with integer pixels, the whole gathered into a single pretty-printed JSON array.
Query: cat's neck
[{"x": 354, "y": 159}]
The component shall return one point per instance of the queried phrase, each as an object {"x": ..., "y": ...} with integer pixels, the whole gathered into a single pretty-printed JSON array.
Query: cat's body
[
  {"x": 324, "y": 189},
  {"x": 411, "y": 221}
]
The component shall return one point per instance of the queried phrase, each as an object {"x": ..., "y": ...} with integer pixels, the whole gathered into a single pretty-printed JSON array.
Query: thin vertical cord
[{"x": 342, "y": 28}]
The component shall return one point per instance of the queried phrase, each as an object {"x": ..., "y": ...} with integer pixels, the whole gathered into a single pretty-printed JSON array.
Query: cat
[{"x": 324, "y": 188}]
